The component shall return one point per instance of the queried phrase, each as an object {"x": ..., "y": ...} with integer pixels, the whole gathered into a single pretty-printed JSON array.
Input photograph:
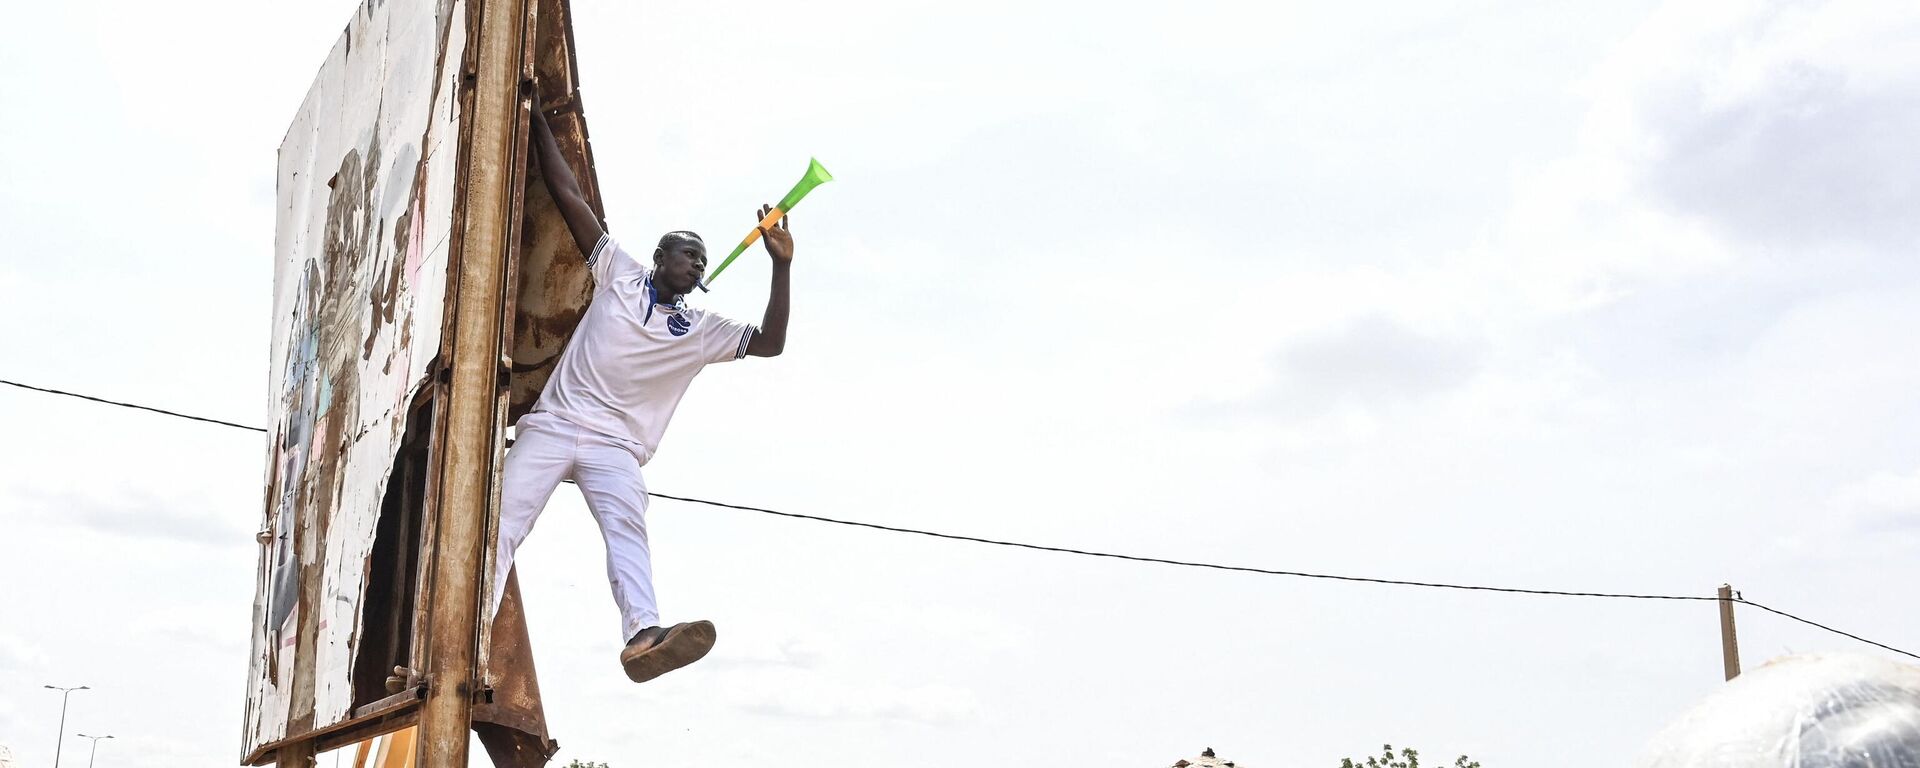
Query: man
[{"x": 603, "y": 412}]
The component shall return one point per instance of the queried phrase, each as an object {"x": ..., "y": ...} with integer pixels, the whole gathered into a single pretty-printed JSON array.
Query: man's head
[{"x": 679, "y": 262}]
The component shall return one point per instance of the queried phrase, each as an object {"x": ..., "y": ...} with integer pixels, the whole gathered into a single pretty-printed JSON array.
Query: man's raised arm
[
  {"x": 565, "y": 188},
  {"x": 772, "y": 338}
]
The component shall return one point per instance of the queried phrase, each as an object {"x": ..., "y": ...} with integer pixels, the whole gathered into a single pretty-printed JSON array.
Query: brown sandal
[{"x": 676, "y": 647}]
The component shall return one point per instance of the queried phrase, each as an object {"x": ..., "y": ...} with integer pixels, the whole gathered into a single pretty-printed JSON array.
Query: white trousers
[{"x": 549, "y": 449}]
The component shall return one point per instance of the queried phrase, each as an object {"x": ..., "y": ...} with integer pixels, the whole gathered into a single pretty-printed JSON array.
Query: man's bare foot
[{"x": 655, "y": 651}]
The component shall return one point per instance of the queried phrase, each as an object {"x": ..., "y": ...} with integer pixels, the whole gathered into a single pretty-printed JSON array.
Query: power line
[
  {"x": 1812, "y": 623},
  {"x": 1108, "y": 555},
  {"x": 1184, "y": 563},
  {"x": 161, "y": 411},
  {"x": 1274, "y": 572}
]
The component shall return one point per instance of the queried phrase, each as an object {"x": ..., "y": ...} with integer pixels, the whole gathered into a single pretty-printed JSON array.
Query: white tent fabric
[{"x": 1815, "y": 711}]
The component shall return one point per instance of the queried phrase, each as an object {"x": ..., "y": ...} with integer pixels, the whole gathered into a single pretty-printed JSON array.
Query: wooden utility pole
[
  {"x": 1729, "y": 643},
  {"x": 477, "y": 384}
]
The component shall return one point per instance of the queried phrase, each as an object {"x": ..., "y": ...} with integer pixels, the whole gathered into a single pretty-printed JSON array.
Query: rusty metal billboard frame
[{"x": 515, "y": 290}]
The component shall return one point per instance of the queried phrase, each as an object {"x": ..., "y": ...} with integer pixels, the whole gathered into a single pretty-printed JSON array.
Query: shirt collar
[{"x": 653, "y": 300}]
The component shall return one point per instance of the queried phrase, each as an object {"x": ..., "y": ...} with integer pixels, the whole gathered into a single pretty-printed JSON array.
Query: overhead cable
[{"x": 1109, "y": 555}]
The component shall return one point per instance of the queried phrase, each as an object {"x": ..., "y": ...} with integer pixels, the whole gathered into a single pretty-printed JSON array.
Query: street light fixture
[
  {"x": 62, "y": 740},
  {"x": 96, "y": 746}
]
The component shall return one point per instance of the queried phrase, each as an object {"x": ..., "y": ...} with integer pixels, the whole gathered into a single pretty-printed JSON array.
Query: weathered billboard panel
[{"x": 366, "y": 185}]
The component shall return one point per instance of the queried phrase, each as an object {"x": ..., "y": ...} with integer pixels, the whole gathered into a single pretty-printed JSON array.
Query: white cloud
[
  {"x": 1884, "y": 502},
  {"x": 764, "y": 651},
  {"x": 1370, "y": 361},
  {"x": 1720, "y": 133},
  {"x": 135, "y": 513},
  {"x": 818, "y": 696},
  {"x": 1781, "y": 125}
]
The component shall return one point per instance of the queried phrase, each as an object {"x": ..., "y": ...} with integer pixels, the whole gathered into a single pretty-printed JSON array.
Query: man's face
[{"x": 679, "y": 266}]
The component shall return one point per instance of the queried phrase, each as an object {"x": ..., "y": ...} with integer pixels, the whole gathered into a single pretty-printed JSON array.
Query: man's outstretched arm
[
  {"x": 772, "y": 338},
  {"x": 565, "y": 188}
]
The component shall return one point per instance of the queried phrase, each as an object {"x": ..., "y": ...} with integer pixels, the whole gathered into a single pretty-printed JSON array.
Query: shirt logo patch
[{"x": 678, "y": 325}]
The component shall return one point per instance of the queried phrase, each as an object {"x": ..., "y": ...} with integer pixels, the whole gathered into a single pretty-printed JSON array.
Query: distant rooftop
[{"x": 1208, "y": 759}]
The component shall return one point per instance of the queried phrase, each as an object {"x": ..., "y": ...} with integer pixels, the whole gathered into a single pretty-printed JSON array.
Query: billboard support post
[
  {"x": 477, "y": 382},
  {"x": 402, "y": 186},
  {"x": 298, "y": 754}
]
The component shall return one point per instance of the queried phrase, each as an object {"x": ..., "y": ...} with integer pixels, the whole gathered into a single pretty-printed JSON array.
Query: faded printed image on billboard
[{"x": 365, "y": 201}]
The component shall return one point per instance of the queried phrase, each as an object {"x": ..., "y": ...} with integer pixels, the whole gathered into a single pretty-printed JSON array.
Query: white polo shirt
[{"x": 632, "y": 357}]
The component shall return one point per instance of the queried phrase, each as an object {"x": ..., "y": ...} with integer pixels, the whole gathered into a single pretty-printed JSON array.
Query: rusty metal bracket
[
  {"x": 403, "y": 698},
  {"x": 569, "y": 104}
]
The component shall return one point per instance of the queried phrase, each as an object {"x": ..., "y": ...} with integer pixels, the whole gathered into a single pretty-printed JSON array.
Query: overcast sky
[{"x": 1589, "y": 296}]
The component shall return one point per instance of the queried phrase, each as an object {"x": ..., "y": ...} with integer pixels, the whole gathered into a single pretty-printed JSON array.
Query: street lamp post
[
  {"x": 96, "y": 746},
  {"x": 62, "y": 740}
]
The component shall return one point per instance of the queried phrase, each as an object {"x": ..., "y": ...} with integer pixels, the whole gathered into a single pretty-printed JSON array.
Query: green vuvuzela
[{"x": 816, "y": 176}]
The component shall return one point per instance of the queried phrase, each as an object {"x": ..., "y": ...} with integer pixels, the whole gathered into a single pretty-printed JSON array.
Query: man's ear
[{"x": 658, "y": 254}]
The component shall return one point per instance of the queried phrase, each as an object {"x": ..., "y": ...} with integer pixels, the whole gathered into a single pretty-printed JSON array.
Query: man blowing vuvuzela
[{"x": 603, "y": 412}]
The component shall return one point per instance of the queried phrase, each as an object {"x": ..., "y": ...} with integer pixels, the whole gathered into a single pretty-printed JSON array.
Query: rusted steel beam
[
  {"x": 380, "y": 717},
  {"x": 368, "y": 729},
  {"x": 392, "y": 704},
  {"x": 472, "y": 437},
  {"x": 511, "y": 747},
  {"x": 513, "y": 216},
  {"x": 511, "y": 723}
]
